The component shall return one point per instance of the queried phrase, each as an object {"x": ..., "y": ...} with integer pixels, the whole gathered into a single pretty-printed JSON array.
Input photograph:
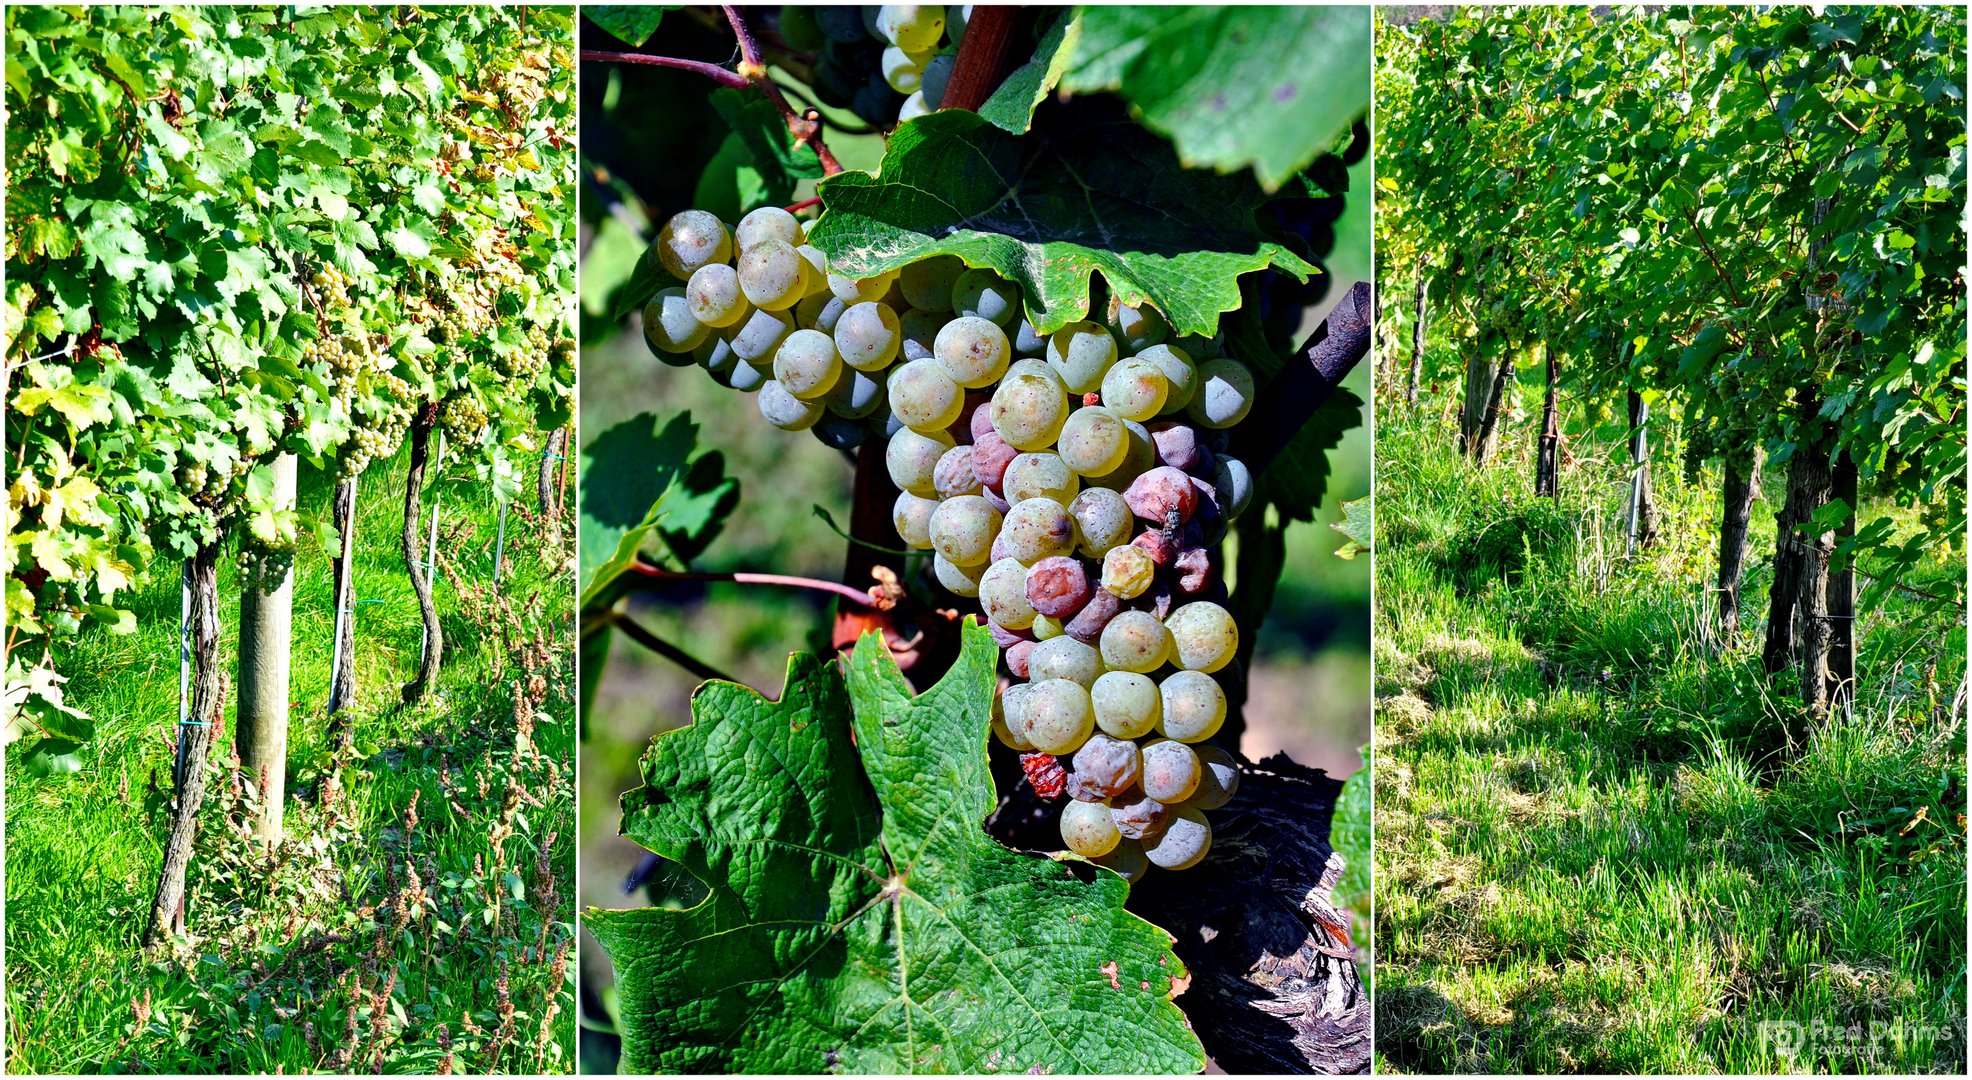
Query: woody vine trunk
[
  {"x": 414, "y": 482},
  {"x": 206, "y": 713}
]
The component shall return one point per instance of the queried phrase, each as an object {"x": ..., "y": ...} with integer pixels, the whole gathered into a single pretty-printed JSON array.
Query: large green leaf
[
  {"x": 859, "y": 918},
  {"x": 1011, "y": 106},
  {"x": 1232, "y": 85},
  {"x": 1050, "y": 210},
  {"x": 632, "y": 24}
]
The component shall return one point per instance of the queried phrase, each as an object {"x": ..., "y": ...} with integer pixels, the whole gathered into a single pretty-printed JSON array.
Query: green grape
[
  {"x": 1135, "y": 641},
  {"x": 715, "y": 297},
  {"x": 862, "y": 290},
  {"x": 937, "y": 75},
  {"x": 785, "y": 411},
  {"x": 920, "y": 332},
  {"x": 1081, "y": 354},
  {"x": 1194, "y": 706},
  {"x": 973, "y": 351},
  {"x": 767, "y": 223},
  {"x": 744, "y": 377},
  {"x": 1127, "y": 704},
  {"x": 857, "y": 394},
  {"x": 1203, "y": 636},
  {"x": 912, "y": 459},
  {"x": 806, "y": 364},
  {"x": 1029, "y": 342},
  {"x": 1093, "y": 441},
  {"x": 1030, "y": 406},
  {"x": 962, "y": 529},
  {"x": 1218, "y": 778},
  {"x": 1038, "y": 476},
  {"x": 904, "y": 71},
  {"x": 669, "y": 328},
  {"x": 1003, "y": 594},
  {"x": 915, "y": 27},
  {"x": 1065, "y": 658},
  {"x": 1088, "y": 829},
  {"x": 1224, "y": 394},
  {"x": 923, "y": 396},
  {"x": 1135, "y": 389},
  {"x": 927, "y": 284},
  {"x": 691, "y": 239},
  {"x": 1046, "y": 627},
  {"x": 1138, "y": 328},
  {"x": 1127, "y": 570},
  {"x": 820, "y": 311},
  {"x": 1103, "y": 521},
  {"x": 1170, "y": 770},
  {"x": 1035, "y": 529},
  {"x": 760, "y": 335},
  {"x": 1180, "y": 376},
  {"x": 1125, "y": 859},
  {"x": 1233, "y": 483},
  {"x": 867, "y": 335},
  {"x": 1059, "y": 718},
  {"x": 1139, "y": 455},
  {"x": 771, "y": 275},
  {"x": 985, "y": 295},
  {"x": 1010, "y": 718},
  {"x": 958, "y": 580},
  {"x": 912, "y": 516},
  {"x": 814, "y": 272},
  {"x": 1183, "y": 842}
]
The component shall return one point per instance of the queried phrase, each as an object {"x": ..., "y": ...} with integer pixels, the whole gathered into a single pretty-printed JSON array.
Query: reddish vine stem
[
  {"x": 805, "y": 127},
  {"x": 812, "y": 200},
  {"x": 711, "y": 71},
  {"x": 979, "y": 67},
  {"x": 791, "y": 581}
]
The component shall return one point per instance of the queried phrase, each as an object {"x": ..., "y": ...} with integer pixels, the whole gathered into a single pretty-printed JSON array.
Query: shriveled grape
[
  {"x": 1127, "y": 571},
  {"x": 954, "y": 475},
  {"x": 1088, "y": 624},
  {"x": 1136, "y": 814},
  {"x": 1164, "y": 496},
  {"x": 1108, "y": 765}
]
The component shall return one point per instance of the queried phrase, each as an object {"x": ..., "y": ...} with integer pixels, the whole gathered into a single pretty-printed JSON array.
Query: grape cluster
[
  {"x": 462, "y": 418},
  {"x": 885, "y": 63},
  {"x": 334, "y": 286},
  {"x": 1075, "y": 484}
]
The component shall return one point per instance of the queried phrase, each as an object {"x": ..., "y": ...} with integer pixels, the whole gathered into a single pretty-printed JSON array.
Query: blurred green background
[{"x": 1310, "y": 681}]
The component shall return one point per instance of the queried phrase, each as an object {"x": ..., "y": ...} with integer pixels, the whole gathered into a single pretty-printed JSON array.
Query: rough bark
[
  {"x": 1485, "y": 439},
  {"x": 1742, "y": 470},
  {"x": 1274, "y": 984},
  {"x": 1417, "y": 339},
  {"x": 1547, "y": 478},
  {"x": 1841, "y": 620},
  {"x": 544, "y": 486},
  {"x": 260, "y": 732},
  {"x": 1643, "y": 508},
  {"x": 342, "y": 686},
  {"x": 1287, "y": 402},
  {"x": 414, "y": 482},
  {"x": 207, "y": 712},
  {"x": 1480, "y": 374},
  {"x": 1797, "y": 623}
]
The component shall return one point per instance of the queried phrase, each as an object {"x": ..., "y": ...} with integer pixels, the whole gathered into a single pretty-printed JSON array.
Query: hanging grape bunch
[
  {"x": 887, "y": 64},
  {"x": 1075, "y": 484}
]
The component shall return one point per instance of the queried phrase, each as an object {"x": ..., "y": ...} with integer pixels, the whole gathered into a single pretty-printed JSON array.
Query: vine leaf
[
  {"x": 1358, "y": 524},
  {"x": 632, "y": 24},
  {"x": 1011, "y": 107},
  {"x": 1232, "y": 85},
  {"x": 1297, "y": 481},
  {"x": 1081, "y": 195},
  {"x": 630, "y": 474},
  {"x": 859, "y": 918}
]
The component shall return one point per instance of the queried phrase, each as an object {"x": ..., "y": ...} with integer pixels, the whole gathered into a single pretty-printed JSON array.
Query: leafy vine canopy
[{"x": 234, "y": 232}]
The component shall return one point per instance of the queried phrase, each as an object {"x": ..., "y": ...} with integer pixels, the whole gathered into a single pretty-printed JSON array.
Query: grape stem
[
  {"x": 869, "y": 599},
  {"x": 711, "y": 71},
  {"x": 805, "y": 127},
  {"x": 663, "y": 648},
  {"x": 979, "y": 67},
  {"x": 1287, "y": 403},
  {"x": 812, "y": 200}
]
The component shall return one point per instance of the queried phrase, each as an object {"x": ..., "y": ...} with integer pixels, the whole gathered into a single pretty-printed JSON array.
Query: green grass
[
  {"x": 287, "y": 955},
  {"x": 1582, "y": 864}
]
